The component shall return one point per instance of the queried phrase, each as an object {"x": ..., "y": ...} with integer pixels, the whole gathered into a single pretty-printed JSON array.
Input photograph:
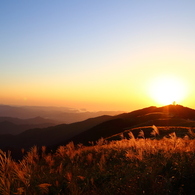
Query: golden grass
[{"x": 128, "y": 166}]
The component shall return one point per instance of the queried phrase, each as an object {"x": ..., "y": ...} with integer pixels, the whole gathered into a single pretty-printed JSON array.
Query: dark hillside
[
  {"x": 14, "y": 126},
  {"x": 51, "y": 135},
  {"x": 171, "y": 115},
  {"x": 105, "y": 126},
  {"x": 29, "y": 121}
]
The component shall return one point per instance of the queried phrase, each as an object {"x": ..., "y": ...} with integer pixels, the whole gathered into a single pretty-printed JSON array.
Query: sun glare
[{"x": 167, "y": 89}]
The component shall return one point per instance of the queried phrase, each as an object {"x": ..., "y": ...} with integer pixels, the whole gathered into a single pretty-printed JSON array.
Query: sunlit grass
[{"x": 128, "y": 166}]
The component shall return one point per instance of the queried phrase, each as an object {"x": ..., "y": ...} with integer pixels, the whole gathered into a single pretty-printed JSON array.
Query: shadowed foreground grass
[{"x": 134, "y": 166}]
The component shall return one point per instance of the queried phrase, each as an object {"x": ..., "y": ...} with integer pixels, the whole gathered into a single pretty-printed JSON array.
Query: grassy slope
[{"x": 134, "y": 166}]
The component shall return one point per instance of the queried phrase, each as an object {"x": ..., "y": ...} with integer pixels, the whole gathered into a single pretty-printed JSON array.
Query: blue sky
[{"x": 88, "y": 48}]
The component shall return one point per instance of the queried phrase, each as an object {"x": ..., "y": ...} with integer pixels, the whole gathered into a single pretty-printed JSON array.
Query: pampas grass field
[{"x": 127, "y": 166}]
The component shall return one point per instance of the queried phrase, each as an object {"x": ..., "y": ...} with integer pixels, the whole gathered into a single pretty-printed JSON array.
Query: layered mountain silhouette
[
  {"x": 14, "y": 126},
  {"x": 99, "y": 127},
  {"x": 48, "y": 136},
  {"x": 57, "y": 114}
]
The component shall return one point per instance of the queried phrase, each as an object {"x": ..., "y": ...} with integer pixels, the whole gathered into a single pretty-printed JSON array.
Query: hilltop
[
  {"x": 107, "y": 127},
  {"x": 166, "y": 116}
]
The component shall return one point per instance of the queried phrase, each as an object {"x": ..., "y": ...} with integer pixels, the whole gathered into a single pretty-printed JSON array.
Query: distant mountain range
[
  {"x": 91, "y": 129},
  {"x": 9, "y": 125},
  {"x": 58, "y": 114},
  {"x": 49, "y": 136}
]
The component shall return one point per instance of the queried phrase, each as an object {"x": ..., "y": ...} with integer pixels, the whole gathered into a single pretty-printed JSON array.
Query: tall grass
[{"x": 129, "y": 166}]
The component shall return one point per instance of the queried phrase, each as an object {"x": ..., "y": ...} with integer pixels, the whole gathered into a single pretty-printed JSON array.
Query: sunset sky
[{"x": 98, "y": 55}]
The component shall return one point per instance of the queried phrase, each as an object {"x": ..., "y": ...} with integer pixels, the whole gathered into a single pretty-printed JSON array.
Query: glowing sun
[{"x": 167, "y": 89}]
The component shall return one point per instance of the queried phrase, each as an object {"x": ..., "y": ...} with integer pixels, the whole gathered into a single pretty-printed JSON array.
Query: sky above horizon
[{"x": 97, "y": 55}]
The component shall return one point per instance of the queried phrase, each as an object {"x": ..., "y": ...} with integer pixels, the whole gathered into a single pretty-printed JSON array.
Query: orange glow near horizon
[{"x": 126, "y": 95}]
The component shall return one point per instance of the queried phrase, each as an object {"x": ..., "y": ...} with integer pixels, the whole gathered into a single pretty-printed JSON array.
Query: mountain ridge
[
  {"x": 163, "y": 116},
  {"x": 58, "y": 114},
  {"x": 104, "y": 126}
]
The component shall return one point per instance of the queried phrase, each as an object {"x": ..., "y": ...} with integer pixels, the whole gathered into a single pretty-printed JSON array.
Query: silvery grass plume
[
  {"x": 173, "y": 135},
  {"x": 191, "y": 132},
  {"x": 155, "y": 131},
  {"x": 141, "y": 134},
  {"x": 131, "y": 136}
]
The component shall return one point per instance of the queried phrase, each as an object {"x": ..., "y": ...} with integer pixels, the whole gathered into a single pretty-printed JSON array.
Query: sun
[{"x": 167, "y": 89}]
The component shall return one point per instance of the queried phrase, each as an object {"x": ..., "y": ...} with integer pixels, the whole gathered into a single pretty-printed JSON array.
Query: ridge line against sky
[{"x": 98, "y": 55}]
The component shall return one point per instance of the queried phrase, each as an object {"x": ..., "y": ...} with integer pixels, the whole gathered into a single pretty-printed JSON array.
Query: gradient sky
[{"x": 98, "y": 55}]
